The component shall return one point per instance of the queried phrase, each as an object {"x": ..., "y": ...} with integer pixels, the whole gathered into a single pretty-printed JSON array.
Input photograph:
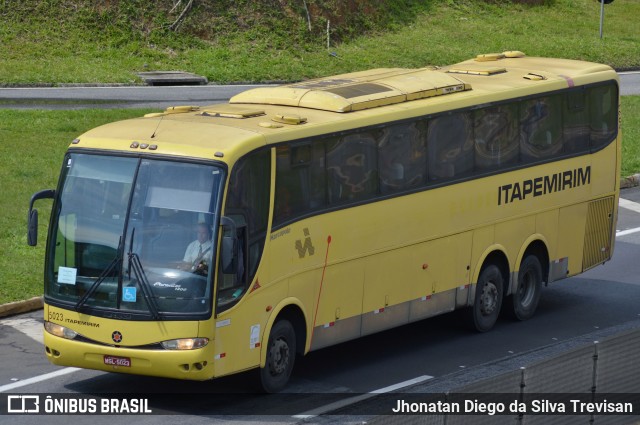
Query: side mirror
[
  {"x": 229, "y": 246},
  {"x": 32, "y": 228},
  {"x": 32, "y": 219}
]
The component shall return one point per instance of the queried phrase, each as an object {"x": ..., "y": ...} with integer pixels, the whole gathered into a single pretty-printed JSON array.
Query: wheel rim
[
  {"x": 279, "y": 354},
  {"x": 489, "y": 299},
  {"x": 526, "y": 290}
]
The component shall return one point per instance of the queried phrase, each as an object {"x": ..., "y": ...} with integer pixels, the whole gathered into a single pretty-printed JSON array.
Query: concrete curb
[
  {"x": 19, "y": 307},
  {"x": 631, "y": 181}
]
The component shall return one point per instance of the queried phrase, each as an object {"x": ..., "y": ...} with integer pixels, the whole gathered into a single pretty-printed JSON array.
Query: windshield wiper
[
  {"x": 105, "y": 273},
  {"x": 138, "y": 271}
]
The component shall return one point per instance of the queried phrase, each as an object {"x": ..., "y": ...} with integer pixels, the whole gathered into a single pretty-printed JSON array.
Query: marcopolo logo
[
  {"x": 116, "y": 336},
  {"x": 306, "y": 247}
]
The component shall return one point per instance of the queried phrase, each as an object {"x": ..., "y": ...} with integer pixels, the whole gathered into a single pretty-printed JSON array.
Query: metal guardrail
[{"x": 602, "y": 364}]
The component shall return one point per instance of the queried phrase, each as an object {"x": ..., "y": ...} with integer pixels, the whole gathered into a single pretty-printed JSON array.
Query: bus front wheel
[
  {"x": 281, "y": 353},
  {"x": 488, "y": 299},
  {"x": 524, "y": 301}
]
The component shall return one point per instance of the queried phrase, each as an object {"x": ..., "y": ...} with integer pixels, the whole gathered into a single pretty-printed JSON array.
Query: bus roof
[{"x": 269, "y": 115}]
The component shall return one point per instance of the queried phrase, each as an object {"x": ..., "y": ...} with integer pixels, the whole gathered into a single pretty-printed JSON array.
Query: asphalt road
[
  {"x": 603, "y": 298},
  {"x": 158, "y": 96}
]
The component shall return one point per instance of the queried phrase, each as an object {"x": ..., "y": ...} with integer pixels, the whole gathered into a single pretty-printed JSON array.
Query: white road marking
[
  {"x": 33, "y": 329},
  {"x": 355, "y": 399},
  {"x": 632, "y": 206},
  {"x": 629, "y": 205},
  {"x": 627, "y": 232},
  {"x": 28, "y": 326},
  {"x": 39, "y": 378}
]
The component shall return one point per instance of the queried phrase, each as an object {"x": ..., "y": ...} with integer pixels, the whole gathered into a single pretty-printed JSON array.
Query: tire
[
  {"x": 525, "y": 299},
  {"x": 281, "y": 354},
  {"x": 488, "y": 300}
]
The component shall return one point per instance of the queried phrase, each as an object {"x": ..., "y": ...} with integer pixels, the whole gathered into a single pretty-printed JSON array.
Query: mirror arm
[
  {"x": 32, "y": 218},
  {"x": 43, "y": 194}
]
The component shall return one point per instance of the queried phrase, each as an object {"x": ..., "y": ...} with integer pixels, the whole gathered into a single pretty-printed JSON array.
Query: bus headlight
[
  {"x": 185, "y": 343},
  {"x": 60, "y": 331}
]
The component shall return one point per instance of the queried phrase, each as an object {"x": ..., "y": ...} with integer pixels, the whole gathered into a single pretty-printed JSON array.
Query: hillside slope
[{"x": 70, "y": 41}]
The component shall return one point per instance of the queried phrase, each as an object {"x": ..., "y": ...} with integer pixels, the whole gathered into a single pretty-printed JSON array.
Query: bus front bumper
[{"x": 194, "y": 364}]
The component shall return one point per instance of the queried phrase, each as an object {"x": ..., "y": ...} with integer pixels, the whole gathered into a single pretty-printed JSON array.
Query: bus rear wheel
[
  {"x": 281, "y": 354},
  {"x": 525, "y": 299},
  {"x": 488, "y": 300}
]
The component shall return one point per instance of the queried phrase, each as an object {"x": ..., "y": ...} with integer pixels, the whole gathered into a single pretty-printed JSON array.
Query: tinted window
[
  {"x": 248, "y": 205},
  {"x": 300, "y": 180},
  {"x": 575, "y": 122},
  {"x": 352, "y": 168},
  {"x": 249, "y": 190},
  {"x": 402, "y": 157},
  {"x": 603, "y": 106},
  {"x": 540, "y": 128},
  {"x": 450, "y": 145},
  {"x": 496, "y": 136}
]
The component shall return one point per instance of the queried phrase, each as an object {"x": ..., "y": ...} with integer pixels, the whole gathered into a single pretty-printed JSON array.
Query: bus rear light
[
  {"x": 185, "y": 343},
  {"x": 59, "y": 331}
]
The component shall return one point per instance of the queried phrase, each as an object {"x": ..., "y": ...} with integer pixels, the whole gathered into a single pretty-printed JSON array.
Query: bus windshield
[{"x": 134, "y": 235}]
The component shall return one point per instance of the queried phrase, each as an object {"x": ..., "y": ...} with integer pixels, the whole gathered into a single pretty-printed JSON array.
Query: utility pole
[{"x": 602, "y": 3}]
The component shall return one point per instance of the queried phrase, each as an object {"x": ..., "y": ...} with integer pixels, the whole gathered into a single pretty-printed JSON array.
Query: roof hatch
[
  {"x": 357, "y": 91},
  {"x": 489, "y": 57},
  {"x": 230, "y": 111},
  {"x": 473, "y": 70}
]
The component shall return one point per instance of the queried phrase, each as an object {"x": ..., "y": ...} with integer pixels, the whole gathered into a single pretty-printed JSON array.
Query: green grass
[
  {"x": 630, "y": 128},
  {"x": 32, "y": 145},
  {"x": 248, "y": 41},
  {"x": 256, "y": 41}
]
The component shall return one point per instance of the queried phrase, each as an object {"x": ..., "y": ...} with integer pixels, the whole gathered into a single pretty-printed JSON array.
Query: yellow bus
[{"x": 204, "y": 241}]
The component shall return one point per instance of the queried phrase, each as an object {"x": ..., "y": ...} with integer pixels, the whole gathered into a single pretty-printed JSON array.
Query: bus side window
[
  {"x": 575, "y": 122},
  {"x": 300, "y": 180},
  {"x": 496, "y": 137},
  {"x": 603, "y": 107},
  {"x": 540, "y": 128},
  {"x": 450, "y": 146},
  {"x": 402, "y": 157},
  {"x": 352, "y": 168},
  {"x": 248, "y": 197}
]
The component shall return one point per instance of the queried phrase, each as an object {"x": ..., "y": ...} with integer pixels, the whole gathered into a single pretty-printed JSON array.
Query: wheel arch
[
  {"x": 290, "y": 309},
  {"x": 535, "y": 245},
  {"x": 497, "y": 255}
]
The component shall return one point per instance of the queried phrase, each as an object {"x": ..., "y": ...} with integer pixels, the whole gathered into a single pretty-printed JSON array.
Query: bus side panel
[
  {"x": 571, "y": 225},
  {"x": 547, "y": 225},
  {"x": 338, "y": 311},
  {"x": 482, "y": 239},
  {"x": 391, "y": 279},
  {"x": 238, "y": 336},
  {"x": 306, "y": 287},
  {"x": 603, "y": 163},
  {"x": 415, "y": 282},
  {"x": 240, "y": 330}
]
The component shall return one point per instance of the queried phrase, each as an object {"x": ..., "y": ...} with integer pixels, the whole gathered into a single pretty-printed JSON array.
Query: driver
[{"x": 198, "y": 250}]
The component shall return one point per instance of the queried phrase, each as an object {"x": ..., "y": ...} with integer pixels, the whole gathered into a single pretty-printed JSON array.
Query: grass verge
[
  {"x": 32, "y": 145},
  {"x": 246, "y": 42}
]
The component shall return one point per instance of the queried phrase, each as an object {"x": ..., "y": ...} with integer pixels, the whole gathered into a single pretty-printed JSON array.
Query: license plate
[{"x": 117, "y": 361}]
